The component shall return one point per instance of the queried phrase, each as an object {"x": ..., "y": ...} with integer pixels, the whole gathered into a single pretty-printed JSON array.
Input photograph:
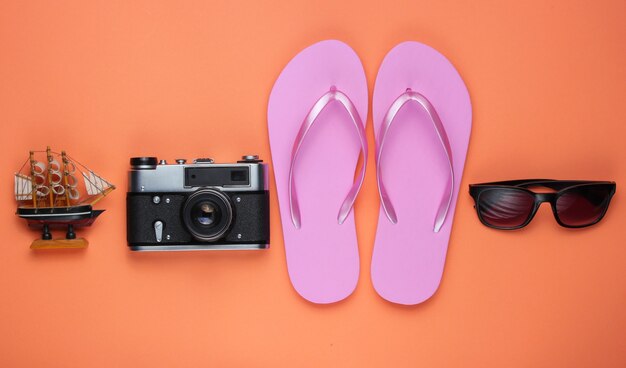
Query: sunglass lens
[
  {"x": 505, "y": 208},
  {"x": 583, "y": 205}
]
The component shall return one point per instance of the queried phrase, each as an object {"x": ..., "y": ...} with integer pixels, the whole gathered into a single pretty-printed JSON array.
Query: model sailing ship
[{"x": 50, "y": 195}]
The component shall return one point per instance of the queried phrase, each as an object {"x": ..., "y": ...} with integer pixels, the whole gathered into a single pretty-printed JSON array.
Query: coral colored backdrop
[{"x": 107, "y": 80}]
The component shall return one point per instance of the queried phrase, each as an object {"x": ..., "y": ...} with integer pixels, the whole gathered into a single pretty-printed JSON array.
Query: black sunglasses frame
[{"x": 561, "y": 187}]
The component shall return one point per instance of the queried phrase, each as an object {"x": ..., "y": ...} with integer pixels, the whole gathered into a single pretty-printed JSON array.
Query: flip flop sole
[
  {"x": 409, "y": 256},
  {"x": 322, "y": 256}
]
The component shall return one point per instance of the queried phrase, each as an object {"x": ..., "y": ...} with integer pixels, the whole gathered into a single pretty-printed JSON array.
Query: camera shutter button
[
  {"x": 181, "y": 161},
  {"x": 249, "y": 159}
]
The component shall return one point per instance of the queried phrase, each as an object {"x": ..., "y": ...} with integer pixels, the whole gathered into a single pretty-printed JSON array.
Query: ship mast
[
  {"x": 50, "y": 159},
  {"x": 65, "y": 181},
  {"x": 32, "y": 176}
]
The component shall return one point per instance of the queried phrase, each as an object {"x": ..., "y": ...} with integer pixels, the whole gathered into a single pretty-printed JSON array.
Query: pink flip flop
[
  {"x": 316, "y": 116},
  {"x": 422, "y": 121}
]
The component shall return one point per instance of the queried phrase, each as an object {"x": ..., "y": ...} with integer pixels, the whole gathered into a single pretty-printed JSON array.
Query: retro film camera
[{"x": 197, "y": 206}]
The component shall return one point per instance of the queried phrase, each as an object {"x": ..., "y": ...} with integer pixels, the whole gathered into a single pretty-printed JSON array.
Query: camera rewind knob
[{"x": 143, "y": 163}]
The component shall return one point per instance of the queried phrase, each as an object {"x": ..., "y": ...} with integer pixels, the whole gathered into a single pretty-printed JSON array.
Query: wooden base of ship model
[{"x": 59, "y": 244}]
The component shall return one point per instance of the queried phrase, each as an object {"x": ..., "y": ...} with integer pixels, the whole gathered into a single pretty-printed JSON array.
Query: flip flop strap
[
  {"x": 332, "y": 95},
  {"x": 395, "y": 107}
]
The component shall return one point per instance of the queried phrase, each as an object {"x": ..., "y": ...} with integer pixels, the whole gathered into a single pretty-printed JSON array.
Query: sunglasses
[{"x": 509, "y": 205}]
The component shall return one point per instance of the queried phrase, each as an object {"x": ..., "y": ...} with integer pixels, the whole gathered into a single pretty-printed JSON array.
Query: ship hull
[{"x": 78, "y": 216}]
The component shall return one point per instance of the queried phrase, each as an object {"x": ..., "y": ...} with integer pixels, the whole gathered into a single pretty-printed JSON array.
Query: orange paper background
[{"x": 108, "y": 80}]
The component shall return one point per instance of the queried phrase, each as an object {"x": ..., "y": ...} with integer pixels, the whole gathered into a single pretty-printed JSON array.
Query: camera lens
[{"x": 207, "y": 214}]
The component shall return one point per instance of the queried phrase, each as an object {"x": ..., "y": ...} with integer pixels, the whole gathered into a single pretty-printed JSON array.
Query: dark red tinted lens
[
  {"x": 505, "y": 207},
  {"x": 583, "y": 205}
]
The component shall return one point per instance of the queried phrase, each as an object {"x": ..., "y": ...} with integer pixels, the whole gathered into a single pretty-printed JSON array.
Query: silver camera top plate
[{"x": 171, "y": 178}]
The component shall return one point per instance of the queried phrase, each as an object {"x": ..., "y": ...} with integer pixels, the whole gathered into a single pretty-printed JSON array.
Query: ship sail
[
  {"x": 23, "y": 188},
  {"x": 39, "y": 168},
  {"x": 53, "y": 181},
  {"x": 95, "y": 184}
]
